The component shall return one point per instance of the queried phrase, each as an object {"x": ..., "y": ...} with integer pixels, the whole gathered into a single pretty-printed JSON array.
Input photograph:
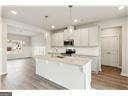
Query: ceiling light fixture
[
  {"x": 120, "y": 7},
  {"x": 52, "y": 26},
  {"x": 13, "y": 12},
  {"x": 75, "y": 20},
  {"x": 49, "y": 25},
  {"x": 46, "y": 18}
]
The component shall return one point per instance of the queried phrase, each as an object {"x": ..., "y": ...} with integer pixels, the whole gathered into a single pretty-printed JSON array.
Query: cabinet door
[
  {"x": 93, "y": 36},
  {"x": 83, "y": 37},
  {"x": 68, "y": 35},
  {"x": 65, "y": 35},
  {"x": 54, "y": 39},
  {"x": 76, "y": 37},
  {"x": 60, "y": 39},
  {"x": 57, "y": 39}
]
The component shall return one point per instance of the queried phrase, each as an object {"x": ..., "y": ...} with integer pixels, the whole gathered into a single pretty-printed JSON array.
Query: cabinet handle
[{"x": 108, "y": 52}]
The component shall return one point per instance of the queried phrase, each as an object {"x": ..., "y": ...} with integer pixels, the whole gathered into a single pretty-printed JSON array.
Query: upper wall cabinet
[
  {"x": 86, "y": 37},
  {"x": 68, "y": 35},
  {"x": 57, "y": 39},
  {"x": 82, "y": 37},
  {"x": 93, "y": 36},
  {"x": 76, "y": 37}
]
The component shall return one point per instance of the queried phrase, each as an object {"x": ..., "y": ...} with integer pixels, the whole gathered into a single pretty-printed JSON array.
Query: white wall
[
  {"x": 41, "y": 43},
  {"x": 3, "y": 39},
  {"x": 0, "y": 42},
  {"x": 92, "y": 51},
  {"x": 40, "y": 38},
  {"x": 26, "y": 50},
  {"x": 25, "y": 29}
]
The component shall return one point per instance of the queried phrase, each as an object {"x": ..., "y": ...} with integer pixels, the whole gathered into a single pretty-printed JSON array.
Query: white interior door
[{"x": 110, "y": 47}]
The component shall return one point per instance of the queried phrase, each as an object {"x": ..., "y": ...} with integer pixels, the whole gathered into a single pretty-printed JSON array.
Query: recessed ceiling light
[
  {"x": 53, "y": 26},
  {"x": 120, "y": 7},
  {"x": 13, "y": 12},
  {"x": 75, "y": 20}
]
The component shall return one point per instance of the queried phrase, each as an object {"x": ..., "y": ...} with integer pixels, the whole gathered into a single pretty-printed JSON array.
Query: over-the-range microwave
[{"x": 69, "y": 42}]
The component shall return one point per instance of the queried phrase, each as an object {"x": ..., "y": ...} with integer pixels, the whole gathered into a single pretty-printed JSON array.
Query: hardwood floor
[
  {"x": 109, "y": 78},
  {"x": 5, "y": 93},
  {"x": 21, "y": 76}
]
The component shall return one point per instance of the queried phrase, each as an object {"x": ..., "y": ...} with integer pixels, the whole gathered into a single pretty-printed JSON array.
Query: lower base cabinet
[{"x": 66, "y": 75}]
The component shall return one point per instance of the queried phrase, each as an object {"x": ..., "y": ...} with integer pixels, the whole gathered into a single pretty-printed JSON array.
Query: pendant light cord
[
  {"x": 70, "y": 13},
  {"x": 46, "y": 17}
]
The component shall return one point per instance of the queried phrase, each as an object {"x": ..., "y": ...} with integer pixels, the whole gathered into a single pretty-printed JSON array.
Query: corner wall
[
  {"x": 3, "y": 40},
  {"x": 120, "y": 22}
]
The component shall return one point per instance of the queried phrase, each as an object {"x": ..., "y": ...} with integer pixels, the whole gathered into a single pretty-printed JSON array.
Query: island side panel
[
  {"x": 87, "y": 75},
  {"x": 66, "y": 75}
]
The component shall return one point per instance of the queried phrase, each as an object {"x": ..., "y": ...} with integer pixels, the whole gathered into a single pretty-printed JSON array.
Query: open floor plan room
[{"x": 63, "y": 47}]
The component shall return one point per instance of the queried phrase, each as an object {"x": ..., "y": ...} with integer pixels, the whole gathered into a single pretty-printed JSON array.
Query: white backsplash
[{"x": 93, "y": 51}]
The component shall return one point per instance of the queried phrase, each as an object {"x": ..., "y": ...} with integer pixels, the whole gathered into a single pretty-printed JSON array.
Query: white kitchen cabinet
[
  {"x": 83, "y": 37},
  {"x": 68, "y": 35},
  {"x": 65, "y": 35},
  {"x": 76, "y": 37},
  {"x": 57, "y": 39},
  {"x": 93, "y": 36},
  {"x": 60, "y": 39},
  {"x": 54, "y": 39},
  {"x": 70, "y": 76},
  {"x": 80, "y": 37}
]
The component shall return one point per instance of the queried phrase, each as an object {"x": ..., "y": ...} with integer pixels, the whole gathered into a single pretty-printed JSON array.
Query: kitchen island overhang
[{"x": 69, "y": 72}]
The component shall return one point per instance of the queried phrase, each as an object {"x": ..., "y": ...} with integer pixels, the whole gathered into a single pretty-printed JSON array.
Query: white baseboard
[{"x": 124, "y": 74}]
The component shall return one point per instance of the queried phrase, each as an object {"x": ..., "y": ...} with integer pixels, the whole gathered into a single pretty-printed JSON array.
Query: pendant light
[
  {"x": 49, "y": 25},
  {"x": 70, "y": 15},
  {"x": 46, "y": 17},
  {"x": 46, "y": 20}
]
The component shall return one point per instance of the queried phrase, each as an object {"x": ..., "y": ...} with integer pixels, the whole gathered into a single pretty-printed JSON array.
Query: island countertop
[{"x": 75, "y": 60}]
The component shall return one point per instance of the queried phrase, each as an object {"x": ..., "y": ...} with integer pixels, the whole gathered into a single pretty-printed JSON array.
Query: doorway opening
[{"x": 111, "y": 50}]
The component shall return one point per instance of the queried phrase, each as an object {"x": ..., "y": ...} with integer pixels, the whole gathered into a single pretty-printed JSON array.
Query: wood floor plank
[
  {"x": 21, "y": 76},
  {"x": 109, "y": 77}
]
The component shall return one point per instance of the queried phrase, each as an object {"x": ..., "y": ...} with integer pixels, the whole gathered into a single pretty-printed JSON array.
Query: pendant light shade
[{"x": 70, "y": 27}]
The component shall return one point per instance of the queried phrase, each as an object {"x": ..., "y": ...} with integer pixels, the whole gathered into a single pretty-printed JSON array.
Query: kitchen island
[{"x": 69, "y": 72}]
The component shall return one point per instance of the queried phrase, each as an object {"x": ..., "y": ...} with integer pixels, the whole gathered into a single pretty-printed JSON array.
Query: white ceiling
[
  {"x": 59, "y": 15},
  {"x": 21, "y": 31}
]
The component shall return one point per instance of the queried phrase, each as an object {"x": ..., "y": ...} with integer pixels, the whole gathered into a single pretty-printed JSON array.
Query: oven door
[{"x": 69, "y": 43}]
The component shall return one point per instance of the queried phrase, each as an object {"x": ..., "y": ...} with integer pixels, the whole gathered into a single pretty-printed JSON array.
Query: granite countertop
[{"x": 75, "y": 60}]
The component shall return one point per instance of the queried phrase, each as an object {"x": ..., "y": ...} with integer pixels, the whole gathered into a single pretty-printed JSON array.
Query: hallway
[{"x": 109, "y": 78}]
